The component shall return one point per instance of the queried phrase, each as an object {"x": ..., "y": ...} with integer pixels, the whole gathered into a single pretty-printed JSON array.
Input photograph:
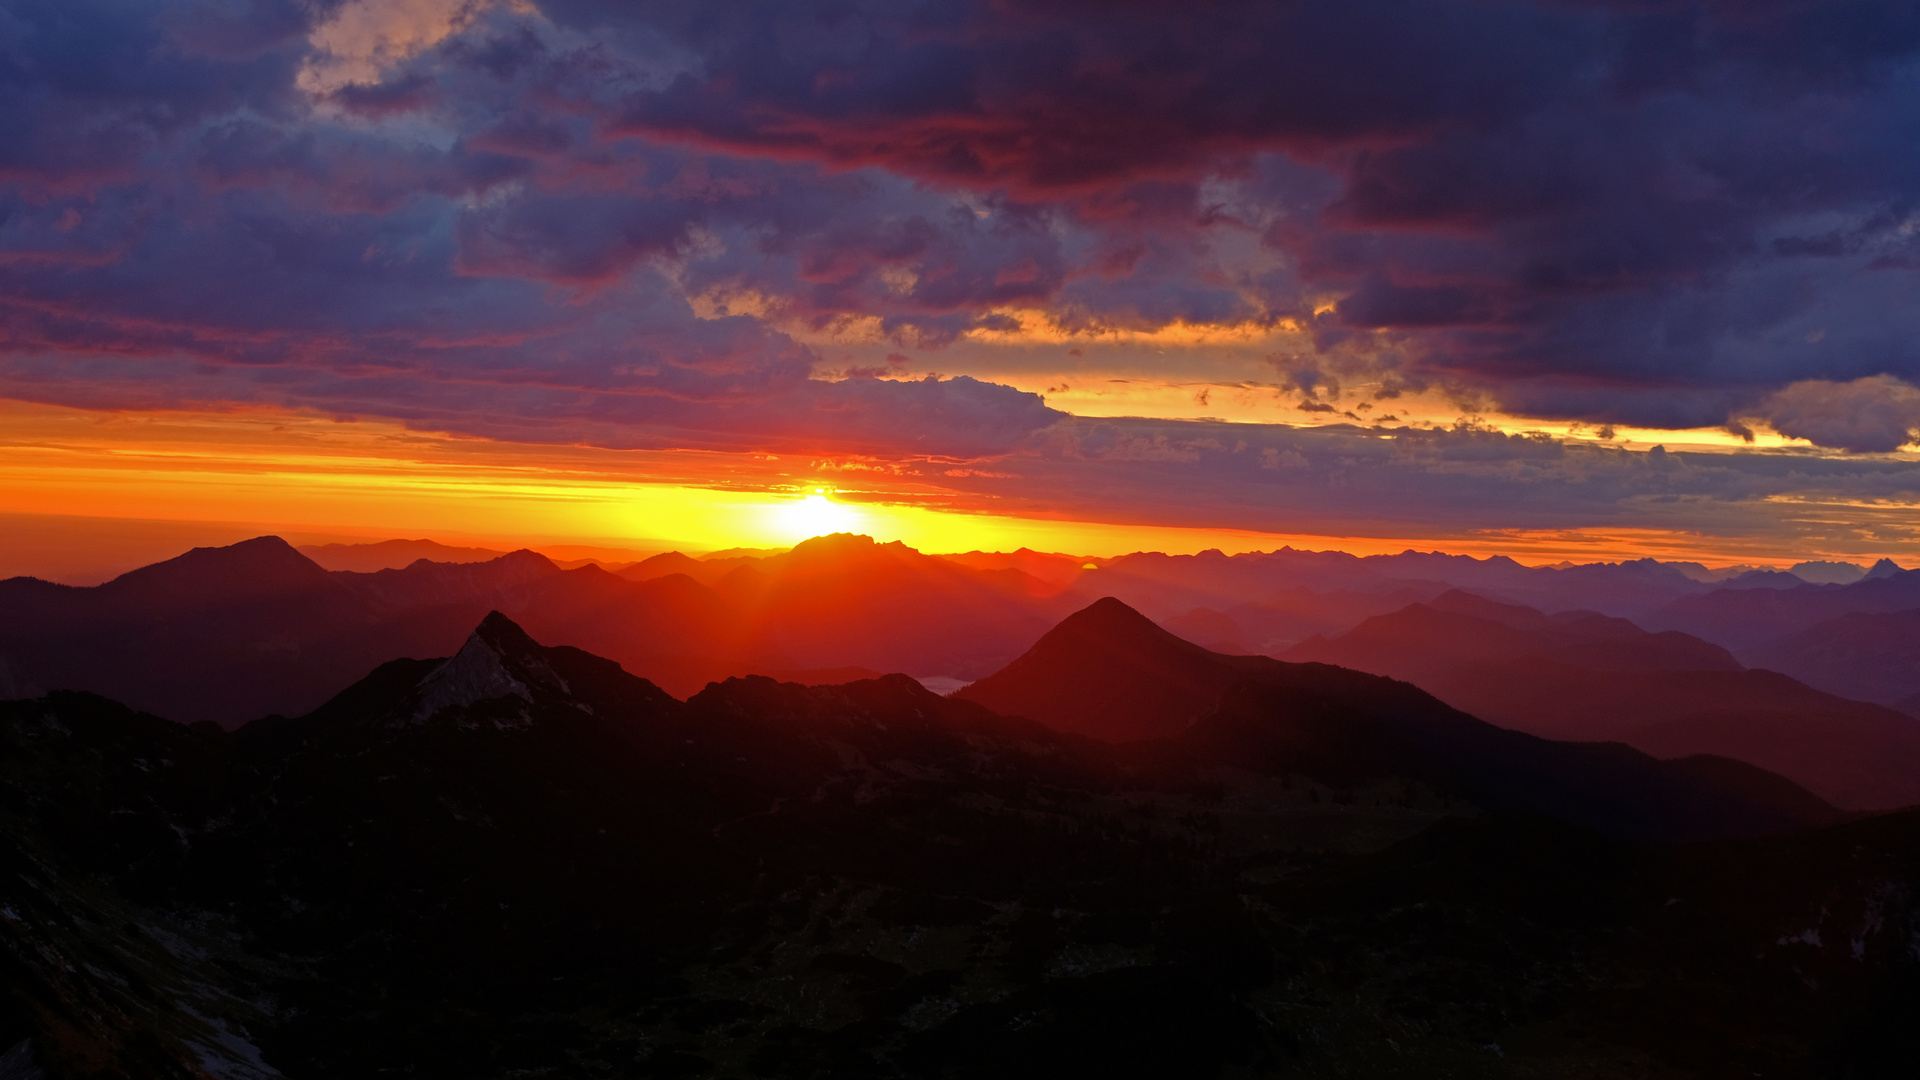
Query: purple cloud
[{"x": 605, "y": 222}]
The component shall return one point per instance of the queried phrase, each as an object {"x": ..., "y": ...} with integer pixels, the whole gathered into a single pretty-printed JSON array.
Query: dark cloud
[
  {"x": 1865, "y": 415},
  {"x": 608, "y": 222},
  {"x": 1573, "y": 194},
  {"x": 1050, "y": 96},
  {"x": 1352, "y": 480}
]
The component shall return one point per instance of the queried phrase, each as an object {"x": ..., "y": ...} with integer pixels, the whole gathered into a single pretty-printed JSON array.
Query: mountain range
[
  {"x": 1589, "y": 677},
  {"x": 232, "y": 634},
  {"x": 523, "y": 860}
]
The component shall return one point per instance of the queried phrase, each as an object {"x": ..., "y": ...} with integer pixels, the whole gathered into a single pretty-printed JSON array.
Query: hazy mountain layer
[
  {"x": 1868, "y": 655},
  {"x": 1582, "y": 676}
]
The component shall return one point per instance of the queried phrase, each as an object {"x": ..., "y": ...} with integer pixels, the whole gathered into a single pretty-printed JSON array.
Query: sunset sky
[{"x": 1570, "y": 279}]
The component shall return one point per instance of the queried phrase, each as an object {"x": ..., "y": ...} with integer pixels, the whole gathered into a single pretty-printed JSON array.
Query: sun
[{"x": 816, "y": 515}]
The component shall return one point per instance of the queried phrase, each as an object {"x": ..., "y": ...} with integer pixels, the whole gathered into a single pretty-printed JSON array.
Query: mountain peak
[
  {"x": 502, "y": 633},
  {"x": 1518, "y": 616},
  {"x": 498, "y": 660},
  {"x": 1109, "y": 616},
  {"x": 259, "y": 553},
  {"x": 1110, "y": 672},
  {"x": 206, "y": 576},
  {"x": 1884, "y": 568},
  {"x": 833, "y": 545}
]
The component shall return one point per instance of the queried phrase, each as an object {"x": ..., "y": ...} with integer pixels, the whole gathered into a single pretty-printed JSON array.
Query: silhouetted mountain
[
  {"x": 1586, "y": 677},
  {"x": 1885, "y": 568},
  {"x": 391, "y": 555},
  {"x": 1432, "y": 643},
  {"x": 1764, "y": 579},
  {"x": 1270, "y": 624},
  {"x": 425, "y": 584},
  {"x": 1058, "y": 571},
  {"x": 219, "y": 633},
  {"x": 843, "y": 599},
  {"x": 1165, "y": 585},
  {"x": 1822, "y": 572},
  {"x": 1869, "y": 656},
  {"x": 668, "y": 562},
  {"x": 1742, "y": 619},
  {"x": 204, "y": 579},
  {"x": 522, "y": 860},
  {"x": 1109, "y": 672},
  {"x": 231, "y": 634}
]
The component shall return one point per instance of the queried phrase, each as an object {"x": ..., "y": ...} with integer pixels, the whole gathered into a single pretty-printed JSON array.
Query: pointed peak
[
  {"x": 1110, "y": 623},
  {"x": 498, "y": 660},
  {"x": 1110, "y": 672},
  {"x": 1107, "y": 611},
  {"x": 501, "y": 638},
  {"x": 498, "y": 630},
  {"x": 1884, "y": 568}
]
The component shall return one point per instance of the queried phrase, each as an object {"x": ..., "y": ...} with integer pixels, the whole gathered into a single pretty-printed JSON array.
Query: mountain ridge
[
  {"x": 1670, "y": 694},
  {"x": 1109, "y": 672},
  {"x": 769, "y": 877}
]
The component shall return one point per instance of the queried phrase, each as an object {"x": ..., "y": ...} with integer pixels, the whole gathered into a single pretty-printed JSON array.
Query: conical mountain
[
  {"x": 1883, "y": 568},
  {"x": 1112, "y": 673}
]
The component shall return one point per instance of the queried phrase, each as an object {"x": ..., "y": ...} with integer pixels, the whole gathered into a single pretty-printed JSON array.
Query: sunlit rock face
[{"x": 497, "y": 661}]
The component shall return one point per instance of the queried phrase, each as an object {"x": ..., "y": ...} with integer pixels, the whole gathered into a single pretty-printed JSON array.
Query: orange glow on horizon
[
  {"x": 816, "y": 514},
  {"x": 313, "y": 479}
]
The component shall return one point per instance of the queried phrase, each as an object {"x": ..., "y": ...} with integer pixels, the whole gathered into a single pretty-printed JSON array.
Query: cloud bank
[{"x": 589, "y": 221}]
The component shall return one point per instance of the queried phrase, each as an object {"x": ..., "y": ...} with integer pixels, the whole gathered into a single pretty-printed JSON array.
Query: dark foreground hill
[{"x": 522, "y": 861}]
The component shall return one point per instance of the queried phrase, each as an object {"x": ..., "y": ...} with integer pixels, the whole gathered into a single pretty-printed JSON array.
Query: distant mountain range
[
  {"x": 1745, "y": 618},
  {"x": 1110, "y": 673},
  {"x": 1589, "y": 677},
  {"x": 391, "y": 555},
  {"x": 523, "y": 860},
  {"x": 232, "y": 634}
]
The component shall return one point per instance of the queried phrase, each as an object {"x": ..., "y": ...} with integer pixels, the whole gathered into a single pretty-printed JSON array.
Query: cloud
[
  {"x": 597, "y": 221},
  {"x": 1050, "y": 97},
  {"x": 1871, "y": 415},
  {"x": 1538, "y": 200},
  {"x": 1384, "y": 481},
  {"x": 363, "y": 39}
]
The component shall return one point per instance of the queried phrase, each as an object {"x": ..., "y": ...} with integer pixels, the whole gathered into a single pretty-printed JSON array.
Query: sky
[{"x": 1561, "y": 279}]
